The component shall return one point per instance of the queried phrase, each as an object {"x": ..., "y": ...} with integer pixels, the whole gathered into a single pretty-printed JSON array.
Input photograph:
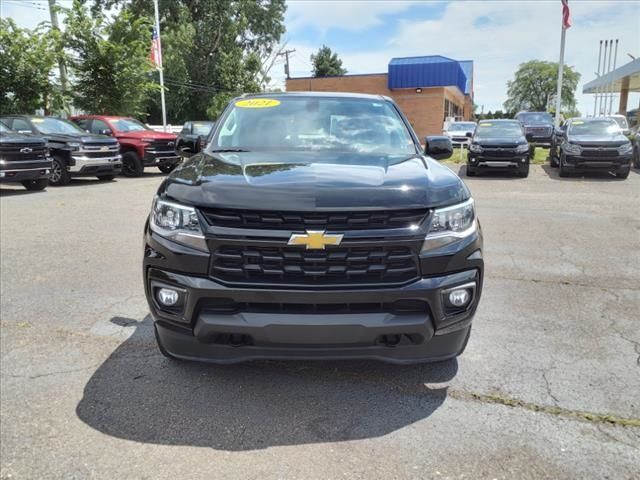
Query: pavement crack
[
  {"x": 548, "y": 388},
  {"x": 591, "y": 417}
]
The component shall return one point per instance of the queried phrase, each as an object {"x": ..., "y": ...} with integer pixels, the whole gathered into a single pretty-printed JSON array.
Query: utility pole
[
  {"x": 53, "y": 12},
  {"x": 160, "y": 66},
  {"x": 286, "y": 65}
]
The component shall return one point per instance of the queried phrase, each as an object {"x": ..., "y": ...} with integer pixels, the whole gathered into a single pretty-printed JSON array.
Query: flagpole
[
  {"x": 560, "y": 73},
  {"x": 160, "y": 68}
]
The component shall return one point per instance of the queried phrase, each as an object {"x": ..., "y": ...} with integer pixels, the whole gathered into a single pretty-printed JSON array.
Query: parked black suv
[
  {"x": 538, "y": 127},
  {"x": 313, "y": 226},
  {"x": 24, "y": 159},
  {"x": 75, "y": 152},
  {"x": 499, "y": 144},
  {"x": 193, "y": 135},
  {"x": 587, "y": 144}
]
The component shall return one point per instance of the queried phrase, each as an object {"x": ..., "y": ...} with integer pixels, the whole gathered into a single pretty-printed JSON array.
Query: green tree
[
  {"x": 27, "y": 58},
  {"x": 536, "y": 82},
  {"x": 212, "y": 49},
  {"x": 109, "y": 61},
  {"x": 326, "y": 63}
]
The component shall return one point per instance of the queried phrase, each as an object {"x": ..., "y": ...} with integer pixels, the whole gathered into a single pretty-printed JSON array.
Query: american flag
[
  {"x": 566, "y": 14},
  {"x": 156, "y": 53}
]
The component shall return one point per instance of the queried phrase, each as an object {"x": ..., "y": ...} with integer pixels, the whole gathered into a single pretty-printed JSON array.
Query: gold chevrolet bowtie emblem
[{"x": 315, "y": 239}]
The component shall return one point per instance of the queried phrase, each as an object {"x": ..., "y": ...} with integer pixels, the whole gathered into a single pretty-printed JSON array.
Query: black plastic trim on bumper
[
  {"x": 157, "y": 159},
  {"x": 577, "y": 162},
  {"x": 21, "y": 176},
  {"x": 94, "y": 170}
]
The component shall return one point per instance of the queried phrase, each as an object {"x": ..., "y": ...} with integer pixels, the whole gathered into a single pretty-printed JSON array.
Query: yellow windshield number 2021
[{"x": 257, "y": 103}]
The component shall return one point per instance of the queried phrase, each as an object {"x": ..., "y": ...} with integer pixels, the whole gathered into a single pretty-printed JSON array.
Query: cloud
[
  {"x": 497, "y": 36},
  {"x": 352, "y": 16}
]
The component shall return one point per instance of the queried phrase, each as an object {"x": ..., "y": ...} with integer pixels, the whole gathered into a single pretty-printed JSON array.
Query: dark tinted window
[
  {"x": 498, "y": 129},
  {"x": 21, "y": 125},
  {"x": 593, "y": 127},
  {"x": 532, "y": 118},
  {"x": 99, "y": 126}
]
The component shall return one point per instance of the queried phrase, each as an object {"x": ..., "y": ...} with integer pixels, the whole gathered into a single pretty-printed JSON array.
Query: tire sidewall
[{"x": 132, "y": 164}]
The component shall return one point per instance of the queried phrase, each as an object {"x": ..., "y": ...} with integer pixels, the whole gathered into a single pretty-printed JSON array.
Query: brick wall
[{"x": 424, "y": 110}]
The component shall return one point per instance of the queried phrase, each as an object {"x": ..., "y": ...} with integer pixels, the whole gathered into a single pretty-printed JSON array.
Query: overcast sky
[{"x": 496, "y": 35}]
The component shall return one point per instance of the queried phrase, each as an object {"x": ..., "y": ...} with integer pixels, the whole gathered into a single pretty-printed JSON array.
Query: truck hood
[
  {"x": 613, "y": 140},
  {"x": 79, "y": 137},
  {"x": 499, "y": 141},
  {"x": 313, "y": 180},
  {"x": 146, "y": 134},
  {"x": 18, "y": 138}
]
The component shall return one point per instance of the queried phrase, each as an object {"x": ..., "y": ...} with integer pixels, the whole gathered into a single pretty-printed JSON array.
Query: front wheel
[
  {"x": 106, "y": 178},
  {"x": 132, "y": 165},
  {"x": 623, "y": 172},
  {"x": 471, "y": 171},
  {"x": 523, "y": 171},
  {"x": 35, "y": 185},
  {"x": 636, "y": 157},
  {"x": 167, "y": 167},
  {"x": 59, "y": 174},
  {"x": 563, "y": 167}
]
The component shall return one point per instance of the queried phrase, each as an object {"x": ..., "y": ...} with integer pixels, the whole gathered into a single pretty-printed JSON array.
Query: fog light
[
  {"x": 168, "y": 297},
  {"x": 459, "y": 298}
]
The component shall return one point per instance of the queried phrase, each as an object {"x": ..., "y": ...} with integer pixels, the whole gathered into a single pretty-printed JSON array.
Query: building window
[{"x": 451, "y": 109}]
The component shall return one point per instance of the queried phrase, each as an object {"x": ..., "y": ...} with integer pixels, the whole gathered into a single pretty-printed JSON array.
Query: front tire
[
  {"x": 471, "y": 171},
  {"x": 35, "y": 185},
  {"x": 523, "y": 171},
  {"x": 59, "y": 174},
  {"x": 132, "y": 165},
  {"x": 563, "y": 168},
  {"x": 636, "y": 157},
  {"x": 623, "y": 172}
]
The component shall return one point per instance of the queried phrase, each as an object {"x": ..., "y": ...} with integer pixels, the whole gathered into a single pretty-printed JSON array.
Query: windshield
[
  {"x": 4, "y": 128},
  {"x": 128, "y": 125},
  {"x": 533, "y": 118},
  {"x": 49, "y": 125},
  {"x": 202, "y": 128},
  {"x": 497, "y": 130},
  {"x": 594, "y": 127},
  {"x": 621, "y": 121},
  {"x": 312, "y": 123},
  {"x": 462, "y": 127}
]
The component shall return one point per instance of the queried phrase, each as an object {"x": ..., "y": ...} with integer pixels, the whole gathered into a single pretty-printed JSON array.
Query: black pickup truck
[
  {"x": 313, "y": 226},
  {"x": 75, "y": 152},
  {"x": 591, "y": 144},
  {"x": 538, "y": 127},
  {"x": 192, "y": 136},
  {"x": 23, "y": 159}
]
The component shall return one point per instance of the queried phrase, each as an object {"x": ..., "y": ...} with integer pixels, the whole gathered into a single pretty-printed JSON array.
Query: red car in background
[{"x": 140, "y": 146}]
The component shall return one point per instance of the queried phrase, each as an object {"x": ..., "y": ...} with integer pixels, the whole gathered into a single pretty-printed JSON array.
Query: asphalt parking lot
[{"x": 549, "y": 386}]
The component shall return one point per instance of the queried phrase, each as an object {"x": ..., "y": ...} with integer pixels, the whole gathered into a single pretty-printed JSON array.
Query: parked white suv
[{"x": 457, "y": 132}]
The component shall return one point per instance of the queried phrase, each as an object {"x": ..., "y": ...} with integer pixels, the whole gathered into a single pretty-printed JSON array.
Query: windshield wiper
[{"x": 228, "y": 150}]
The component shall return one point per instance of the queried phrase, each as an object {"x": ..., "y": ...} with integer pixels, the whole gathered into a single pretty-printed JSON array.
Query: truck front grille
[
  {"x": 334, "y": 221},
  {"x": 496, "y": 152},
  {"x": 27, "y": 152},
  {"x": 291, "y": 265},
  {"x": 599, "y": 152}
]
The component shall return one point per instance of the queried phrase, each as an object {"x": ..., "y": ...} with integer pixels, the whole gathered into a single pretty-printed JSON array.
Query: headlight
[
  {"x": 524, "y": 148},
  {"x": 450, "y": 224},
  {"x": 475, "y": 148},
  {"x": 178, "y": 223},
  {"x": 625, "y": 149},
  {"x": 572, "y": 149}
]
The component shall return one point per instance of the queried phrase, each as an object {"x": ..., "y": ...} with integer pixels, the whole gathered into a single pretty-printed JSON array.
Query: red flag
[
  {"x": 156, "y": 54},
  {"x": 566, "y": 14}
]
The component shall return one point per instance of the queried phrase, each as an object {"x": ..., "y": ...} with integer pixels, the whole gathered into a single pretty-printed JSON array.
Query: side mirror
[
  {"x": 468, "y": 134},
  {"x": 438, "y": 147},
  {"x": 106, "y": 131}
]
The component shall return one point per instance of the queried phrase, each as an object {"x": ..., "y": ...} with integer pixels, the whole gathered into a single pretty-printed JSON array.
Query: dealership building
[{"x": 427, "y": 89}]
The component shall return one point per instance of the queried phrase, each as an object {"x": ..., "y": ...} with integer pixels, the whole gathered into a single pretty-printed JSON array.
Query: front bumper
[
  {"x": 578, "y": 162},
  {"x": 160, "y": 157},
  {"x": 299, "y": 323},
  {"x": 11, "y": 175},
  {"x": 82, "y": 165},
  {"x": 480, "y": 160}
]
